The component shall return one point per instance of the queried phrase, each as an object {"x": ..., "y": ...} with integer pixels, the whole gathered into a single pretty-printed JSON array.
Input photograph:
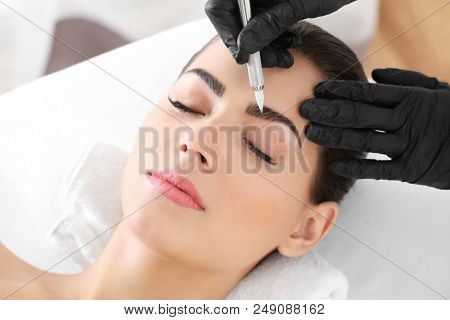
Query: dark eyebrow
[
  {"x": 215, "y": 85},
  {"x": 272, "y": 115}
]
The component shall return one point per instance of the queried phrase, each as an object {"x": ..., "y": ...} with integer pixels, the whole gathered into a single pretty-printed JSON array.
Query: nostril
[
  {"x": 202, "y": 159},
  {"x": 183, "y": 148}
]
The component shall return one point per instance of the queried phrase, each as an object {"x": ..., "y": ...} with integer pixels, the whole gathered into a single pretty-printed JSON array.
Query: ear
[{"x": 313, "y": 226}]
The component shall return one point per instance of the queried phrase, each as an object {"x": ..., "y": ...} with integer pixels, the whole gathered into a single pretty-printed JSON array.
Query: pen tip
[{"x": 259, "y": 95}]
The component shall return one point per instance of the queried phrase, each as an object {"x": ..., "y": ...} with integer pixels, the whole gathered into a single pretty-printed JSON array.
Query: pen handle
[
  {"x": 254, "y": 66},
  {"x": 245, "y": 10},
  {"x": 255, "y": 74}
]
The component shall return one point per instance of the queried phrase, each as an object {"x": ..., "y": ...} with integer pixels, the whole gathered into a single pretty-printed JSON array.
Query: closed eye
[
  {"x": 258, "y": 152},
  {"x": 183, "y": 108}
]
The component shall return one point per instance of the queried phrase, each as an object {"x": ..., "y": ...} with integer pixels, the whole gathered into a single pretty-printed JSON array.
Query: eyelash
[
  {"x": 181, "y": 107},
  {"x": 258, "y": 152}
]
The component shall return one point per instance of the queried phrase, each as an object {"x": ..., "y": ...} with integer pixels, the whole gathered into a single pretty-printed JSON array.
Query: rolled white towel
[
  {"x": 309, "y": 277},
  {"x": 90, "y": 202}
]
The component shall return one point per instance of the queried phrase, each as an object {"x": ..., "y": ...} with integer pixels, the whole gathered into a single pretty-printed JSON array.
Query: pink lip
[{"x": 177, "y": 188}]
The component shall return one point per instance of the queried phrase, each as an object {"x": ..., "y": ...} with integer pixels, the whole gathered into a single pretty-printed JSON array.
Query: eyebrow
[
  {"x": 271, "y": 115},
  {"x": 215, "y": 85}
]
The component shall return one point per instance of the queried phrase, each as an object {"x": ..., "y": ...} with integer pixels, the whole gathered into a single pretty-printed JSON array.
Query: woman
[{"x": 212, "y": 186}]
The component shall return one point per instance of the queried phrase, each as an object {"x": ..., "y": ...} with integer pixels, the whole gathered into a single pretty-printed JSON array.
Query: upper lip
[{"x": 179, "y": 182}]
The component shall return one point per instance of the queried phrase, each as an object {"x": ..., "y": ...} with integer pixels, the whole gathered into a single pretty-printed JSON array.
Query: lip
[{"x": 176, "y": 188}]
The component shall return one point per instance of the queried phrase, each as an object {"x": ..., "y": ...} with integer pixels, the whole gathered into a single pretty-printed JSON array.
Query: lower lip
[{"x": 173, "y": 193}]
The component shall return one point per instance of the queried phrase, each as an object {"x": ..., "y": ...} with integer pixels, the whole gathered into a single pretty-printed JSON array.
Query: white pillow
[{"x": 44, "y": 125}]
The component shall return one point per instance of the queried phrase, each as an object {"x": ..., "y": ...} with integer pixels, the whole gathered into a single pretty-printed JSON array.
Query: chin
[{"x": 152, "y": 226}]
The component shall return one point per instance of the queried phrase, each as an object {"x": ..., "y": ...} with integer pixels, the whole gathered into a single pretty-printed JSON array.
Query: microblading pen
[{"x": 254, "y": 66}]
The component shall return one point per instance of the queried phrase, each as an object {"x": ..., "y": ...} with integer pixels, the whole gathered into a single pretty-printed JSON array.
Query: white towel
[{"x": 90, "y": 202}]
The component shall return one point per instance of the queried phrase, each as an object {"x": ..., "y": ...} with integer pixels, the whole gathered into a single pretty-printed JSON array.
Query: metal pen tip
[{"x": 259, "y": 96}]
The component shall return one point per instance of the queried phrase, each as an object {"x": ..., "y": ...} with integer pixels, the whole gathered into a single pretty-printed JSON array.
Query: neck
[{"x": 128, "y": 269}]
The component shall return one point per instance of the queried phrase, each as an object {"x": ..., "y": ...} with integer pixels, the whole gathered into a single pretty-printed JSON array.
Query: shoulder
[
  {"x": 14, "y": 273},
  {"x": 9, "y": 261}
]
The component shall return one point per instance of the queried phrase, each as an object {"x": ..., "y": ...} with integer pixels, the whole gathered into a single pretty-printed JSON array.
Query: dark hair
[{"x": 335, "y": 60}]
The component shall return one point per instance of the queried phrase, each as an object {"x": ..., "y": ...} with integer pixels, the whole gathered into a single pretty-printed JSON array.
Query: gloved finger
[
  {"x": 276, "y": 57},
  {"x": 225, "y": 17},
  {"x": 286, "y": 40},
  {"x": 367, "y": 169},
  {"x": 379, "y": 94},
  {"x": 264, "y": 28},
  {"x": 314, "y": 8},
  {"x": 271, "y": 18},
  {"x": 355, "y": 139},
  {"x": 404, "y": 78},
  {"x": 444, "y": 85},
  {"x": 350, "y": 114}
]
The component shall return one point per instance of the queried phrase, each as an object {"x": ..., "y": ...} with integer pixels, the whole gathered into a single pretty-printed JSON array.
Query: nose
[
  {"x": 195, "y": 155},
  {"x": 184, "y": 148}
]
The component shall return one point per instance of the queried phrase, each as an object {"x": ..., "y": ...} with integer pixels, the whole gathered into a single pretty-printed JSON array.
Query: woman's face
[{"x": 251, "y": 173}]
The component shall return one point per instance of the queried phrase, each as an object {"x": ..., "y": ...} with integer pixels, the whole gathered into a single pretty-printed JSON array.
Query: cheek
[
  {"x": 154, "y": 145},
  {"x": 129, "y": 183},
  {"x": 146, "y": 152},
  {"x": 260, "y": 217}
]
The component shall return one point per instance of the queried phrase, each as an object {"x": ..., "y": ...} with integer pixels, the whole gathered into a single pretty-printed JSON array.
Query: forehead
[{"x": 284, "y": 89}]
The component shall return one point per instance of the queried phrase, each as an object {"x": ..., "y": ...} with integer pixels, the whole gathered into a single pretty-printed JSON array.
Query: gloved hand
[
  {"x": 412, "y": 109},
  {"x": 270, "y": 19}
]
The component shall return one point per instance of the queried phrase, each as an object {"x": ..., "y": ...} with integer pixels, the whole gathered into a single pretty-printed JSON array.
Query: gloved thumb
[{"x": 405, "y": 78}]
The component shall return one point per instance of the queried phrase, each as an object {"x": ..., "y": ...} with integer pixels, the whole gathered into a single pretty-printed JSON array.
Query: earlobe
[{"x": 315, "y": 225}]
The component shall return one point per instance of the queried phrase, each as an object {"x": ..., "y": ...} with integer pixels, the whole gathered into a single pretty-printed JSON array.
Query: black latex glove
[
  {"x": 270, "y": 19},
  {"x": 411, "y": 109}
]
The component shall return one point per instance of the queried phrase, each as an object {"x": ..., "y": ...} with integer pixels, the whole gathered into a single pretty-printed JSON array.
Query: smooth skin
[{"x": 162, "y": 250}]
